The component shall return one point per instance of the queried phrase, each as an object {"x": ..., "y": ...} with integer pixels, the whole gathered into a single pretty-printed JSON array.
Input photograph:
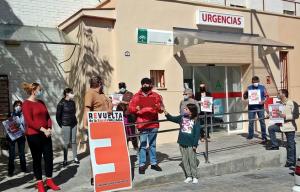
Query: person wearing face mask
[
  {"x": 38, "y": 133},
  {"x": 288, "y": 127},
  {"x": 146, "y": 105},
  {"x": 66, "y": 119},
  {"x": 17, "y": 112},
  {"x": 203, "y": 92},
  {"x": 188, "y": 98},
  {"x": 188, "y": 138},
  {"x": 257, "y": 109},
  {"x": 95, "y": 100},
  {"x": 127, "y": 96}
]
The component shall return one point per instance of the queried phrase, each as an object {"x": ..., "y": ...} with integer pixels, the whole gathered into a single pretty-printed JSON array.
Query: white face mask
[
  {"x": 122, "y": 90},
  {"x": 17, "y": 109},
  {"x": 255, "y": 84},
  {"x": 71, "y": 96}
]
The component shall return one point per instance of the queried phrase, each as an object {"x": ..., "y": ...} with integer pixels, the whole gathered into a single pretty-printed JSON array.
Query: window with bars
[
  {"x": 4, "y": 97},
  {"x": 158, "y": 78},
  {"x": 283, "y": 56}
]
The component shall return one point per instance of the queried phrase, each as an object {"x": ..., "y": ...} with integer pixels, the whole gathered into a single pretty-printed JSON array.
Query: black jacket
[{"x": 66, "y": 113}]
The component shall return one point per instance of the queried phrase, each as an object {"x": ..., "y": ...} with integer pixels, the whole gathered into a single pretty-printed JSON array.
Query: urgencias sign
[{"x": 219, "y": 19}]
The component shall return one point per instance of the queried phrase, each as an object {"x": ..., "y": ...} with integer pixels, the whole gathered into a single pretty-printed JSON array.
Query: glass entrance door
[{"x": 224, "y": 82}]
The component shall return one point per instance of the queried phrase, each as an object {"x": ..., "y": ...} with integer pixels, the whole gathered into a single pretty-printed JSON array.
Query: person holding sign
[
  {"x": 204, "y": 93},
  {"x": 146, "y": 105},
  {"x": 288, "y": 127},
  {"x": 95, "y": 100},
  {"x": 38, "y": 132},
  {"x": 127, "y": 96},
  {"x": 188, "y": 138},
  {"x": 15, "y": 133},
  {"x": 256, "y": 95}
]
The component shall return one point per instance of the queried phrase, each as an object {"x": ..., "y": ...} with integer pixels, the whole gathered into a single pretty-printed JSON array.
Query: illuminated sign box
[{"x": 219, "y": 19}]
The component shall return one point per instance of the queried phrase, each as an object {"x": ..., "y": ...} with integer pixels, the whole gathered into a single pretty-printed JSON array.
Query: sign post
[{"x": 109, "y": 154}]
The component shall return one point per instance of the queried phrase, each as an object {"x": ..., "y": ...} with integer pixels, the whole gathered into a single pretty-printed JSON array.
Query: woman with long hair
[{"x": 38, "y": 132}]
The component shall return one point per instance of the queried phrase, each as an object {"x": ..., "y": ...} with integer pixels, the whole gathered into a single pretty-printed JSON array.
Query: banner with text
[{"x": 109, "y": 154}]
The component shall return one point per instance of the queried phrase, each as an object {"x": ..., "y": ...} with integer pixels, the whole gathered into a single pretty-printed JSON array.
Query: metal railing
[{"x": 206, "y": 125}]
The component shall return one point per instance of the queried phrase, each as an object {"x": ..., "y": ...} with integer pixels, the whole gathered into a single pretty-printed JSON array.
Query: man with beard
[{"x": 146, "y": 105}]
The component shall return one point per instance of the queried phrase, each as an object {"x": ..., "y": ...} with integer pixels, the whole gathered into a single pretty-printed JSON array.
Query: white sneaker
[
  {"x": 195, "y": 180},
  {"x": 189, "y": 179}
]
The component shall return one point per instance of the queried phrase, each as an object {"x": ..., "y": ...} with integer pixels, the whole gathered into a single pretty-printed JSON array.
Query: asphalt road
[{"x": 279, "y": 179}]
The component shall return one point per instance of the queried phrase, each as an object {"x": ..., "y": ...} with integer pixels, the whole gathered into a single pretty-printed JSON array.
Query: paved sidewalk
[{"x": 228, "y": 154}]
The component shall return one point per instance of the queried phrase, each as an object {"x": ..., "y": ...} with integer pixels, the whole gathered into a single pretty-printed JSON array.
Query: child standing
[{"x": 188, "y": 139}]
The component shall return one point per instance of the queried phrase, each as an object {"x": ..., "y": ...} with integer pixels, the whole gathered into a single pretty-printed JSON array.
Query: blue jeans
[
  {"x": 150, "y": 136},
  {"x": 12, "y": 154},
  {"x": 261, "y": 115},
  {"x": 291, "y": 145}
]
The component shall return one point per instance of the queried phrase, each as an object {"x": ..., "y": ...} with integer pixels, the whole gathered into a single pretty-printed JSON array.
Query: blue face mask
[{"x": 39, "y": 94}]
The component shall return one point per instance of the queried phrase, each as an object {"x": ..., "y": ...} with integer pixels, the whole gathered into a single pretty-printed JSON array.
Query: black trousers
[
  {"x": 40, "y": 146},
  {"x": 12, "y": 154}
]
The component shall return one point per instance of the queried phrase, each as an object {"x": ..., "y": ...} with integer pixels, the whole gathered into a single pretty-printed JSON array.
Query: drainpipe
[{"x": 252, "y": 48}]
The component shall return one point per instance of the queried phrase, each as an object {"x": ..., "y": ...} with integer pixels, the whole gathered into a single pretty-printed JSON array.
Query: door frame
[{"x": 226, "y": 89}]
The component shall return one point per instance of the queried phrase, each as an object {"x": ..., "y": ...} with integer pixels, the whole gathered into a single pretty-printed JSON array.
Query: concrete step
[{"x": 226, "y": 157}]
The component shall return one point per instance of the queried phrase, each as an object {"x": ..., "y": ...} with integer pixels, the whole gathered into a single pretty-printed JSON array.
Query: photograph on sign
[
  {"x": 254, "y": 97},
  {"x": 116, "y": 99},
  {"x": 107, "y": 136},
  {"x": 275, "y": 110},
  {"x": 207, "y": 104},
  {"x": 13, "y": 127}
]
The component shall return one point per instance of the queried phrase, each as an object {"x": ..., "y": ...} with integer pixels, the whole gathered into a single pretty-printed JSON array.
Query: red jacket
[
  {"x": 36, "y": 116},
  {"x": 150, "y": 105}
]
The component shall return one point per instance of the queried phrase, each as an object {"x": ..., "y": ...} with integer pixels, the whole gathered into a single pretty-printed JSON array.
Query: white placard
[
  {"x": 206, "y": 104},
  {"x": 14, "y": 127},
  {"x": 254, "y": 97},
  {"x": 274, "y": 112},
  {"x": 116, "y": 99},
  {"x": 219, "y": 19}
]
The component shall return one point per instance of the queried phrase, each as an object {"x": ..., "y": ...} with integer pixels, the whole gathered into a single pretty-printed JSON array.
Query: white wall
[
  {"x": 34, "y": 62},
  {"x": 274, "y": 6},
  {"x": 255, "y": 4},
  {"x": 47, "y": 13}
]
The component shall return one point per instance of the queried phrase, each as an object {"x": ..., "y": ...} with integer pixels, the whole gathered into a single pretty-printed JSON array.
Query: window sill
[{"x": 161, "y": 88}]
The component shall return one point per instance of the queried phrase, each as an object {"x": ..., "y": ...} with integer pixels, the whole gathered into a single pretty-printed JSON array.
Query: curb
[{"x": 258, "y": 161}]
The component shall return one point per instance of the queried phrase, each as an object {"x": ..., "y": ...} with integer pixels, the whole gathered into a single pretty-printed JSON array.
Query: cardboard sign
[
  {"x": 116, "y": 99},
  {"x": 206, "y": 104},
  {"x": 254, "y": 97},
  {"x": 275, "y": 110},
  {"x": 14, "y": 127},
  {"x": 109, "y": 154}
]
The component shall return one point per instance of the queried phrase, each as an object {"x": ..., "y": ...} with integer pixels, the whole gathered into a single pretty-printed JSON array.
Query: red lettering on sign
[
  {"x": 239, "y": 21},
  {"x": 209, "y": 18},
  {"x": 204, "y": 17}
]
